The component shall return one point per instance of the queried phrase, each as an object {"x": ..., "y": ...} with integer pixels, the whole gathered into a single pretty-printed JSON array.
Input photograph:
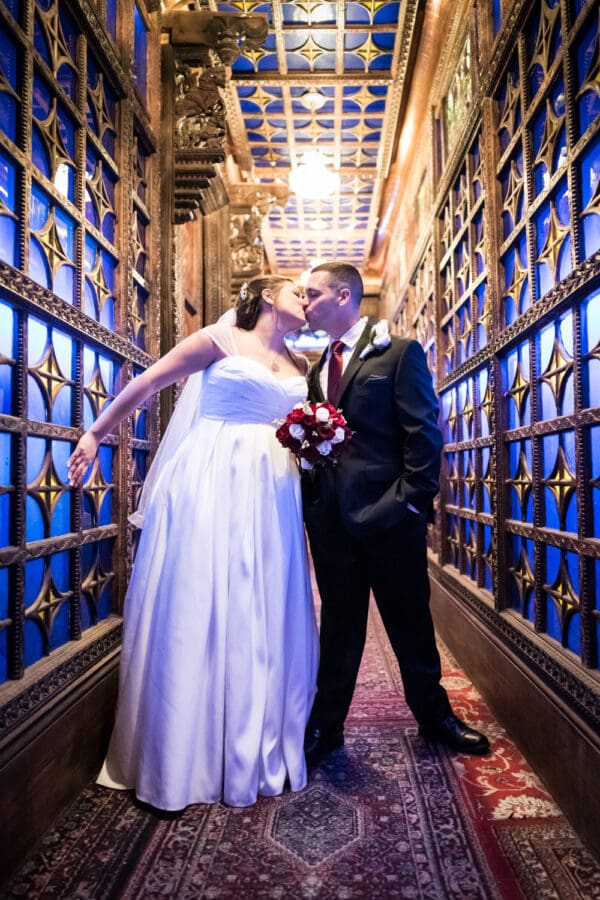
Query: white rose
[
  {"x": 307, "y": 408},
  {"x": 321, "y": 414},
  {"x": 305, "y": 464},
  {"x": 339, "y": 436},
  {"x": 299, "y": 406},
  {"x": 297, "y": 431},
  {"x": 380, "y": 336},
  {"x": 324, "y": 448}
]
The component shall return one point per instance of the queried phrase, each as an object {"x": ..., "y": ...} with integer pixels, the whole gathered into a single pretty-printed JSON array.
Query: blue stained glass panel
[
  {"x": 519, "y": 402},
  {"x": 111, "y": 17},
  {"x": 60, "y": 568},
  {"x": 39, "y": 39},
  {"x": 34, "y": 576},
  {"x": 521, "y": 493},
  {"x": 589, "y": 169},
  {"x": 590, "y": 314},
  {"x": 8, "y": 102},
  {"x": 39, "y": 152},
  {"x": 14, "y": 8},
  {"x": 3, "y": 652},
  {"x": 5, "y": 387},
  {"x": 39, "y": 208},
  {"x": 33, "y": 642},
  {"x": 4, "y": 593},
  {"x": 8, "y": 223},
  {"x": 588, "y": 101},
  {"x": 140, "y": 50},
  {"x": 593, "y": 438},
  {"x": 59, "y": 634},
  {"x": 5, "y": 480},
  {"x": 563, "y": 627},
  {"x": 485, "y": 464}
]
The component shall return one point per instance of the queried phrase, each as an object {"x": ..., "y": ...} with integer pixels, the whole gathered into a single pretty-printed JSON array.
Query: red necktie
[{"x": 334, "y": 373}]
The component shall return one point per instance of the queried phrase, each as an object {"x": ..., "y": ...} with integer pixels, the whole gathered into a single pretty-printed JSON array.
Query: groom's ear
[{"x": 345, "y": 296}]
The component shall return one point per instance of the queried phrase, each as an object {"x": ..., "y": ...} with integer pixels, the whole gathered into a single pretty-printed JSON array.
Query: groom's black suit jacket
[{"x": 393, "y": 458}]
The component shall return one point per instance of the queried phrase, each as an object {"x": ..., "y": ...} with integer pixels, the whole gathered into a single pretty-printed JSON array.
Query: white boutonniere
[{"x": 379, "y": 339}]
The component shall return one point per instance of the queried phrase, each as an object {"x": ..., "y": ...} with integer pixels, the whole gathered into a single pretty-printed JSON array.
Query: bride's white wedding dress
[{"x": 220, "y": 646}]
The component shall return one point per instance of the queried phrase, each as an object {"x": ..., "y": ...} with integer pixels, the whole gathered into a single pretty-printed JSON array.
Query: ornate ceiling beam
[{"x": 200, "y": 45}]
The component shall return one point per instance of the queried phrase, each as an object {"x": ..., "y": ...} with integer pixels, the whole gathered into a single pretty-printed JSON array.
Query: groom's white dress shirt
[{"x": 349, "y": 339}]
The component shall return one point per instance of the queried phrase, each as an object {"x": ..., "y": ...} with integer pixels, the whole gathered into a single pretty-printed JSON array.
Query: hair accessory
[{"x": 244, "y": 291}]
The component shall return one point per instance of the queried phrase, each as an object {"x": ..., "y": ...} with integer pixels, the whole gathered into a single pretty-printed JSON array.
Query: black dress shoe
[
  {"x": 318, "y": 744},
  {"x": 456, "y": 735}
]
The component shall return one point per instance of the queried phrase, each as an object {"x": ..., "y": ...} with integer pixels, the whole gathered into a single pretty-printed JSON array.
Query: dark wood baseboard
[
  {"x": 47, "y": 760},
  {"x": 561, "y": 747}
]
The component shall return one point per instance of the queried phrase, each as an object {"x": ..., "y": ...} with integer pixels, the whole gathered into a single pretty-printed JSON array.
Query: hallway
[{"x": 388, "y": 816}]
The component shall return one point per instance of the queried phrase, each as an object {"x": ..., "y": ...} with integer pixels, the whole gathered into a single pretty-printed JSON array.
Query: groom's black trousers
[{"x": 393, "y": 564}]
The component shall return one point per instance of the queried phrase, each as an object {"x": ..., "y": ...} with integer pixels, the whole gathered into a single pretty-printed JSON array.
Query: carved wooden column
[
  {"x": 249, "y": 204},
  {"x": 197, "y": 46}
]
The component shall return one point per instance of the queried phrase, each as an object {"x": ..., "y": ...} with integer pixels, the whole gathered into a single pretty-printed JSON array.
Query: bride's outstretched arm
[{"x": 193, "y": 354}]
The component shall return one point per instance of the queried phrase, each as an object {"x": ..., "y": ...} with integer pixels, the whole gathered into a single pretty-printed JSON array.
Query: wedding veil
[{"x": 184, "y": 416}]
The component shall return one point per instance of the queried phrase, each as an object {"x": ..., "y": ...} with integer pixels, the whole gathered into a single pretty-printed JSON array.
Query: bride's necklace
[{"x": 273, "y": 364}]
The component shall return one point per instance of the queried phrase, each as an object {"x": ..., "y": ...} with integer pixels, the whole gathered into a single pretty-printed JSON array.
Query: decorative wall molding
[
  {"x": 25, "y": 701},
  {"x": 580, "y": 692}
]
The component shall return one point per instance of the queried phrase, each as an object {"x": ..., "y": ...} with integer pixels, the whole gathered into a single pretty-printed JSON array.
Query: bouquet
[{"x": 316, "y": 433}]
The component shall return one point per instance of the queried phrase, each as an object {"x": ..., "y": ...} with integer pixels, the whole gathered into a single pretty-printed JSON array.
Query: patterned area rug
[{"x": 387, "y": 816}]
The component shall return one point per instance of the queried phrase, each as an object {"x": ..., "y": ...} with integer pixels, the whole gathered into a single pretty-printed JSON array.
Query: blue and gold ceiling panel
[{"x": 324, "y": 90}]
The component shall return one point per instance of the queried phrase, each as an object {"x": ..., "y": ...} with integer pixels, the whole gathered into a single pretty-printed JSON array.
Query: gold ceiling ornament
[
  {"x": 542, "y": 54},
  {"x": 96, "y": 487},
  {"x": 563, "y": 595},
  {"x": 558, "y": 370},
  {"x": 562, "y": 484},
  {"x": 48, "y": 374},
  {"x": 96, "y": 392},
  {"x": 522, "y": 482},
  {"x": 557, "y": 234},
  {"x": 519, "y": 390},
  {"x": 524, "y": 577},
  {"x": 547, "y": 149},
  {"x": 47, "y": 488}
]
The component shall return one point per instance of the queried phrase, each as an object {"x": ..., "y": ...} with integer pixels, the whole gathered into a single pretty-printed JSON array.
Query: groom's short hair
[{"x": 344, "y": 275}]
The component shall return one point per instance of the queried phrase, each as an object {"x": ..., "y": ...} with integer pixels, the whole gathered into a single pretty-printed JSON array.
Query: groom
[{"x": 367, "y": 517}]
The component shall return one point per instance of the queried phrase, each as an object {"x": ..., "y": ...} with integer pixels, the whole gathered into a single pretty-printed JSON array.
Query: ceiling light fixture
[
  {"x": 313, "y": 99},
  {"x": 312, "y": 179}
]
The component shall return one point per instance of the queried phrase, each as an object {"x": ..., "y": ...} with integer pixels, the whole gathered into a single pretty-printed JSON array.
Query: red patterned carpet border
[{"x": 388, "y": 816}]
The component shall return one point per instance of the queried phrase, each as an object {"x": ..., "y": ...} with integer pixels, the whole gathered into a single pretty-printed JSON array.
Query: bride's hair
[{"x": 247, "y": 307}]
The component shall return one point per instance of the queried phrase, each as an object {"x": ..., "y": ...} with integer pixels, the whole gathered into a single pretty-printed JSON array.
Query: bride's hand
[{"x": 82, "y": 456}]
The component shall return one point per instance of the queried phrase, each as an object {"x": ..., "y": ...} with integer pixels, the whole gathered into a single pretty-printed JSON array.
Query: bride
[{"x": 219, "y": 656}]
